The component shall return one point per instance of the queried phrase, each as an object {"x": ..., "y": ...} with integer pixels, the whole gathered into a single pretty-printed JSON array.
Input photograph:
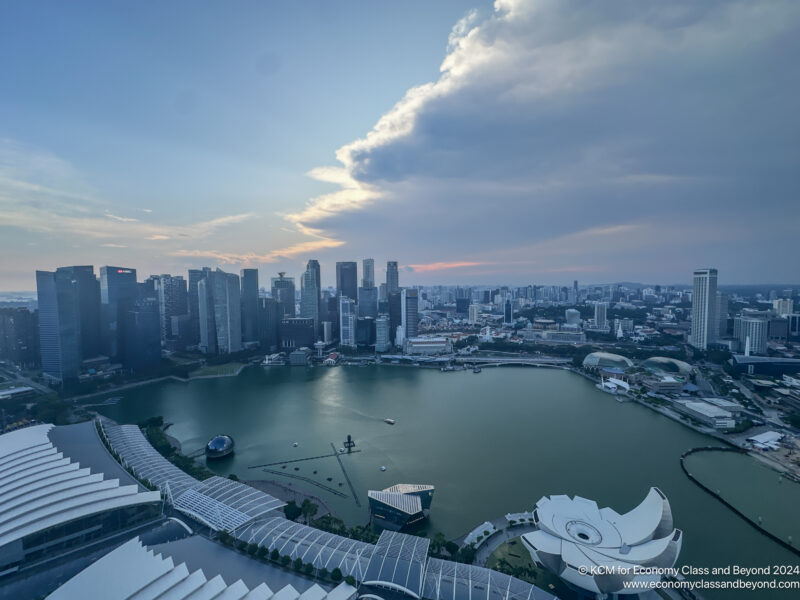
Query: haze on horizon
[{"x": 521, "y": 141}]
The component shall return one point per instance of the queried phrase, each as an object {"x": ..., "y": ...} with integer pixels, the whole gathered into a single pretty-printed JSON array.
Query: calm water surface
[{"x": 491, "y": 443}]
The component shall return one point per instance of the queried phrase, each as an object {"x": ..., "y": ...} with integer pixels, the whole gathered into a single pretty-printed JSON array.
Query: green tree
[
  {"x": 350, "y": 580},
  {"x": 336, "y": 574},
  {"x": 452, "y": 548},
  {"x": 285, "y": 560},
  {"x": 252, "y": 549},
  {"x": 298, "y": 564},
  {"x": 275, "y": 555},
  {"x": 308, "y": 568},
  {"x": 291, "y": 510},
  {"x": 262, "y": 552},
  {"x": 323, "y": 573},
  {"x": 308, "y": 509}
]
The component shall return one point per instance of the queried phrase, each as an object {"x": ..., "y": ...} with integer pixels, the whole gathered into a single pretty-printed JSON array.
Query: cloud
[
  {"x": 618, "y": 133},
  {"x": 252, "y": 258},
  {"x": 114, "y": 246},
  {"x": 443, "y": 266}
]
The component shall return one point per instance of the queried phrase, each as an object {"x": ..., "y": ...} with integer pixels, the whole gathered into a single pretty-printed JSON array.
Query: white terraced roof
[
  {"x": 409, "y": 488},
  {"x": 40, "y": 487},
  {"x": 324, "y": 550},
  {"x": 133, "y": 571},
  {"x": 407, "y": 503}
]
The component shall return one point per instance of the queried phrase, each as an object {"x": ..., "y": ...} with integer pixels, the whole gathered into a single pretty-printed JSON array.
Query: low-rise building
[
  {"x": 708, "y": 414},
  {"x": 427, "y": 345}
]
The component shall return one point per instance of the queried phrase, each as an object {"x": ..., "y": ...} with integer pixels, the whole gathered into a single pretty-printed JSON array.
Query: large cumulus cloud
[{"x": 614, "y": 139}]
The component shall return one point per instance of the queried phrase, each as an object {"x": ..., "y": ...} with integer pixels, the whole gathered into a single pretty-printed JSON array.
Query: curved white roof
[
  {"x": 40, "y": 487},
  {"x": 574, "y": 535},
  {"x": 606, "y": 359},
  {"x": 134, "y": 571}
]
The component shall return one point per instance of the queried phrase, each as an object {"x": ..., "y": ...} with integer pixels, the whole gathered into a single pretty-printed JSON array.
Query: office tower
[
  {"x": 227, "y": 312},
  {"x": 382, "y": 337},
  {"x": 705, "y": 323},
  {"x": 19, "y": 336},
  {"x": 365, "y": 331},
  {"x": 207, "y": 334},
  {"x": 783, "y": 306},
  {"x": 297, "y": 332},
  {"x": 249, "y": 294},
  {"x": 309, "y": 295},
  {"x": 59, "y": 325},
  {"x": 395, "y": 313},
  {"x": 462, "y": 306},
  {"x": 140, "y": 334},
  {"x": 752, "y": 334},
  {"x": 193, "y": 301},
  {"x": 347, "y": 322},
  {"x": 600, "y": 319},
  {"x": 368, "y": 273},
  {"x": 283, "y": 291},
  {"x": 172, "y": 301},
  {"x": 327, "y": 332},
  {"x": 268, "y": 324},
  {"x": 575, "y": 287},
  {"x": 722, "y": 315},
  {"x": 383, "y": 295},
  {"x": 392, "y": 277},
  {"x": 368, "y": 302},
  {"x": 474, "y": 313},
  {"x": 118, "y": 292},
  {"x": 347, "y": 280},
  {"x": 508, "y": 312},
  {"x": 333, "y": 314},
  {"x": 409, "y": 313},
  {"x": 87, "y": 288}
]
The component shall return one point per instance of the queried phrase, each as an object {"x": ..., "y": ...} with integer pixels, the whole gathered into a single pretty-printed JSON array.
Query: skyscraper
[
  {"x": 207, "y": 333},
  {"x": 193, "y": 301},
  {"x": 283, "y": 291},
  {"x": 249, "y": 294},
  {"x": 783, "y": 306},
  {"x": 140, "y": 334},
  {"x": 395, "y": 314},
  {"x": 474, "y": 313},
  {"x": 410, "y": 312},
  {"x": 368, "y": 273},
  {"x": 347, "y": 280},
  {"x": 227, "y": 312},
  {"x": 59, "y": 325},
  {"x": 508, "y": 311},
  {"x": 382, "y": 337},
  {"x": 600, "y": 319},
  {"x": 268, "y": 324},
  {"x": 347, "y": 322},
  {"x": 309, "y": 295},
  {"x": 392, "y": 278},
  {"x": 705, "y": 323},
  {"x": 172, "y": 302},
  {"x": 368, "y": 302},
  {"x": 722, "y": 315},
  {"x": 118, "y": 292}
]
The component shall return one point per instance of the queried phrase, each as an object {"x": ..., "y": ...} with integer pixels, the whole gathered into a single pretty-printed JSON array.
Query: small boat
[
  {"x": 476, "y": 370},
  {"x": 341, "y": 450},
  {"x": 295, "y": 445},
  {"x": 389, "y": 421},
  {"x": 383, "y": 468}
]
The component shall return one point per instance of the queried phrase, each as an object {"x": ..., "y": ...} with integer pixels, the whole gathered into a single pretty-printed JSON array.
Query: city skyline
[{"x": 605, "y": 150}]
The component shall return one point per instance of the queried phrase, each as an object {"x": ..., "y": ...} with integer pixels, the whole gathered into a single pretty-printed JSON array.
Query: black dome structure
[{"x": 219, "y": 446}]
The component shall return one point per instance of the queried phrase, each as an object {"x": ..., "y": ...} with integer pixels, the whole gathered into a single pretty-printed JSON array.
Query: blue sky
[{"x": 521, "y": 142}]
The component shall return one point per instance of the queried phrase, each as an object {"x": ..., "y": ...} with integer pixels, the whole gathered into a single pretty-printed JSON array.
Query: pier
[{"x": 346, "y": 476}]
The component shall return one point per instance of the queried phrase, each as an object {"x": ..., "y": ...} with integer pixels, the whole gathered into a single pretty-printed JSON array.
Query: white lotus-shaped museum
[{"x": 599, "y": 550}]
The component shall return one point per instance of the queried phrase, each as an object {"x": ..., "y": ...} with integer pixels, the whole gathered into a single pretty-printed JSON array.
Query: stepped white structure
[
  {"x": 599, "y": 550},
  {"x": 134, "y": 571}
]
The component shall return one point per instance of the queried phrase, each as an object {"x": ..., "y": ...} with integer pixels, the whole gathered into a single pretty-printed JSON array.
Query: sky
[{"x": 520, "y": 141}]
